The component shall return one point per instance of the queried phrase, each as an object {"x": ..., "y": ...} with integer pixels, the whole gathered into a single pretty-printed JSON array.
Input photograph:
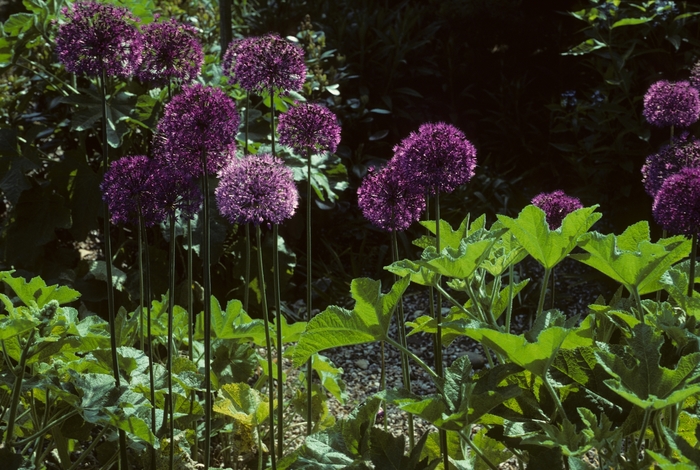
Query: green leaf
[
  {"x": 646, "y": 383},
  {"x": 368, "y": 321},
  {"x": 457, "y": 263},
  {"x": 631, "y": 22},
  {"x": 505, "y": 252},
  {"x": 242, "y": 403},
  {"x": 586, "y": 47},
  {"x": 36, "y": 293},
  {"x": 233, "y": 323},
  {"x": 449, "y": 237},
  {"x": 546, "y": 246},
  {"x": 330, "y": 376},
  {"x": 686, "y": 452},
  {"x": 631, "y": 258},
  {"x": 560, "y": 436},
  {"x": 418, "y": 273}
]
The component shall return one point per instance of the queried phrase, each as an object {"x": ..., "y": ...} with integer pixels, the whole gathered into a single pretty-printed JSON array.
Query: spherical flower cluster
[
  {"x": 265, "y": 64},
  {"x": 677, "y": 204},
  {"x": 683, "y": 152},
  {"x": 129, "y": 187},
  {"x": 695, "y": 76},
  {"x": 556, "y": 206},
  {"x": 389, "y": 201},
  {"x": 438, "y": 157},
  {"x": 171, "y": 51},
  {"x": 178, "y": 193},
  {"x": 671, "y": 104},
  {"x": 309, "y": 129},
  {"x": 256, "y": 189},
  {"x": 201, "y": 122},
  {"x": 97, "y": 37}
]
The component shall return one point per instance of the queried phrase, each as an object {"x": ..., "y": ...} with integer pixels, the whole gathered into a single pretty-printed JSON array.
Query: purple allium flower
[
  {"x": 683, "y": 152},
  {"x": 199, "y": 121},
  {"x": 389, "y": 201},
  {"x": 677, "y": 203},
  {"x": 256, "y": 189},
  {"x": 438, "y": 157},
  {"x": 266, "y": 63},
  {"x": 130, "y": 185},
  {"x": 671, "y": 104},
  {"x": 176, "y": 191},
  {"x": 171, "y": 51},
  {"x": 695, "y": 76},
  {"x": 556, "y": 205},
  {"x": 99, "y": 36},
  {"x": 309, "y": 129}
]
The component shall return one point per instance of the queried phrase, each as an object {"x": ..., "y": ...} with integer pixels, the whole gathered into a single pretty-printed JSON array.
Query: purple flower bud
[
  {"x": 99, "y": 36},
  {"x": 438, "y": 157},
  {"x": 671, "y": 104},
  {"x": 677, "y": 203},
  {"x": 266, "y": 63},
  {"x": 683, "y": 152},
  {"x": 256, "y": 189},
  {"x": 309, "y": 129},
  {"x": 389, "y": 201},
  {"x": 556, "y": 206},
  {"x": 171, "y": 51},
  {"x": 199, "y": 122}
]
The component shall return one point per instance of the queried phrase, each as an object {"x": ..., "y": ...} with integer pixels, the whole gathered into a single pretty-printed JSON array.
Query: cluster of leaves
[
  {"x": 59, "y": 394},
  {"x": 626, "y": 375}
]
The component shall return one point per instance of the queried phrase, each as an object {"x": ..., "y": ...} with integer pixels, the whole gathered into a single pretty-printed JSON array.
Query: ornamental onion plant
[{"x": 99, "y": 41}]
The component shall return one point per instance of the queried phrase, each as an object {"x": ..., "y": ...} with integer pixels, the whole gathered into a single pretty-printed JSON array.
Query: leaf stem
[
  {"x": 17, "y": 391},
  {"x": 278, "y": 331},
  {"x": 477, "y": 450},
  {"x": 509, "y": 311},
  {"x": 645, "y": 423},
  {"x": 169, "y": 366},
  {"x": 206, "y": 261},
  {"x": 554, "y": 395},
  {"x": 691, "y": 270},
  {"x": 418, "y": 360},
  {"x": 543, "y": 292},
  {"x": 309, "y": 290}
]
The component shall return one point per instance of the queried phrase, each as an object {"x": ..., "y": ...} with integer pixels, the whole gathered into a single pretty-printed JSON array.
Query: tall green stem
[
  {"x": 108, "y": 264},
  {"x": 419, "y": 361},
  {"x": 206, "y": 261},
  {"x": 309, "y": 291},
  {"x": 169, "y": 365},
  {"x": 17, "y": 390},
  {"x": 439, "y": 367},
  {"x": 190, "y": 325},
  {"x": 278, "y": 331},
  {"x": 691, "y": 270},
  {"x": 401, "y": 319},
  {"x": 509, "y": 311},
  {"x": 543, "y": 292},
  {"x": 268, "y": 345},
  {"x": 246, "y": 277}
]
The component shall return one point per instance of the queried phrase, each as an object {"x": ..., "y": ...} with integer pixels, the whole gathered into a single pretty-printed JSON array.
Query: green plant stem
[
  {"x": 418, "y": 361},
  {"x": 108, "y": 265},
  {"x": 268, "y": 345},
  {"x": 17, "y": 391},
  {"x": 190, "y": 328},
  {"x": 554, "y": 395},
  {"x": 53, "y": 422},
  {"x": 246, "y": 275},
  {"x": 638, "y": 299},
  {"x": 144, "y": 304},
  {"x": 543, "y": 292},
  {"x": 691, "y": 268},
  {"x": 169, "y": 365},
  {"x": 278, "y": 331},
  {"x": 509, "y": 311},
  {"x": 206, "y": 261},
  {"x": 643, "y": 429},
  {"x": 309, "y": 292},
  {"x": 88, "y": 450},
  {"x": 401, "y": 321},
  {"x": 477, "y": 450}
]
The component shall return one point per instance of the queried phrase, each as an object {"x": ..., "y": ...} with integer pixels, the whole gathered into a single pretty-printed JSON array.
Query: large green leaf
[
  {"x": 505, "y": 252},
  {"x": 631, "y": 258},
  {"x": 646, "y": 383},
  {"x": 418, "y": 273},
  {"x": 36, "y": 293},
  {"x": 242, "y": 403},
  {"x": 368, "y": 321},
  {"x": 457, "y": 263},
  {"x": 547, "y": 246},
  {"x": 232, "y": 323}
]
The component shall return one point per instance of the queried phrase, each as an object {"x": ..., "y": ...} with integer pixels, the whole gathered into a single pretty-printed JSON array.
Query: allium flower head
[
  {"x": 556, "y": 205},
  {"x": 256, "y": 189},
  {"x": 695, "y": 76},
  {"x": 671, "y": 104},
  {"x": 677, "y": 204},
  {"x": 200, "y": 120},
  {"x": 99, "y": 36},
  {"x": 683, "y": 152},
  {"x": 130, "y": 185},
  {"x": 176, "y": 192},
  {"x": 438, "y": 157},
  {"x": 309, "y": 129},
  {"x": 388, "y": 201},
  {"x": 171, "y": 51},
  {"x": 266, "y": 63}
]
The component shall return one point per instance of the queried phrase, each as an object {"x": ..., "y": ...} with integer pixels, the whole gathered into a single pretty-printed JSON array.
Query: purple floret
[
  {"x": 683, "y": 152},
  {"x": 556, "y": 206},
  {"x": 677, "y": 204},
  {"x": 438, "y": 157},
  {"x": 265, "y": 64},
  {"x": 671, "y": 104},
  {"x": 309, "y": 129},
  {"x": 171, "y": 51},
  {"x": 256, "y": 189},
  {"x": 200, "y": 121},
  {"x": 99, "y": 36},
  {"x": 388, "y": 201}
]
